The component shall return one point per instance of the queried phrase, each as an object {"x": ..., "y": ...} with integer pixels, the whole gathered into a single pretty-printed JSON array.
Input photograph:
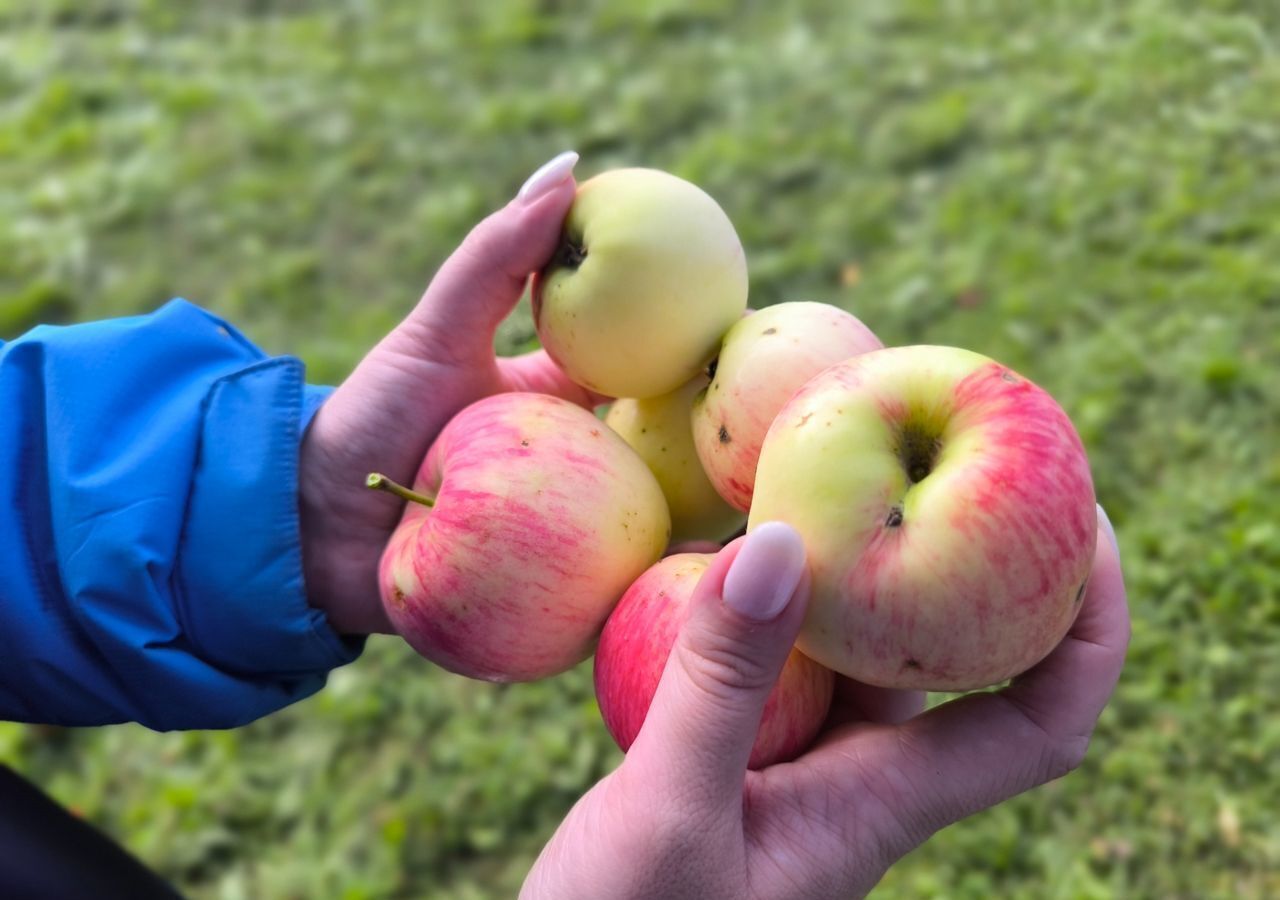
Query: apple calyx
[
  {"x": 379, "y": 482},
  {"x": 918, "y": 449},
  {"x": 571, "y": 255}
]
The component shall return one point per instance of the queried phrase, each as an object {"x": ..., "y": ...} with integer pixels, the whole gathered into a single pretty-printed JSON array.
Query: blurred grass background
[{"x": 1088, "y": 191}]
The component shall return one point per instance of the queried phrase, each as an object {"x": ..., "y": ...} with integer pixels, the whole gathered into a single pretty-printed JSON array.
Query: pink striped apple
[
  {"x": 532, "y": 519},
  {"x": 948, "y": 512},
  {"x": 638, "y": 639},
  {"x": 764, "y": 359}
]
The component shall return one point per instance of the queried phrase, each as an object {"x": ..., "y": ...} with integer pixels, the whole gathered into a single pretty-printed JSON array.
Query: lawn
[{"x": 1088, "y": 191}]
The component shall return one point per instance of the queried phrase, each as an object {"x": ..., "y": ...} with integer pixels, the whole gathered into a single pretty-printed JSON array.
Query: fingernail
[
  {"x": 765, "y": 572},
  {"x": 1104, "y": 522},
  {"x": 547, "y": 177}
]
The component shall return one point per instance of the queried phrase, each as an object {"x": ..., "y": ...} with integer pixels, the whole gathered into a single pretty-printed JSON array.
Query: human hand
[
  {"x": 683, "y": 818},
  {"x": 440, "y": 359}
]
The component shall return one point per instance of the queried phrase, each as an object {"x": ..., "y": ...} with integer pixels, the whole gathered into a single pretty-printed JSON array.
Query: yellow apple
[
  {"x": 648, "y": 277},
  {"x": 659, "y": 430}
]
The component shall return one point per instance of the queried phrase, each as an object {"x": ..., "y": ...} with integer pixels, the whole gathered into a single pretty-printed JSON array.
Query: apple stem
[{"x": 379, "y": 482}]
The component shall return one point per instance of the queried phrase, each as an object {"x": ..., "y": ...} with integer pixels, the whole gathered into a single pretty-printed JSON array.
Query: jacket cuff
[{"x": 241, "y": 592}]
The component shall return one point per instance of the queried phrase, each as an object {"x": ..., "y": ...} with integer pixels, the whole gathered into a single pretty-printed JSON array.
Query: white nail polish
[
  {"x": 1104, "y": 521},
  {"x": 548, "y": 176}
]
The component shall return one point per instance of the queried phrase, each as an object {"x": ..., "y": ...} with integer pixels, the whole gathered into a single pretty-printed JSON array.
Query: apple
[
  {"x": 648, "y": 277},
  {"x": 638, "y": 638},
  {"x": 764, "y": 359},
  {"x": 658, "y": 429},
  {"x": 530, "y": 520},
  {"x": 948, "y": 512}
]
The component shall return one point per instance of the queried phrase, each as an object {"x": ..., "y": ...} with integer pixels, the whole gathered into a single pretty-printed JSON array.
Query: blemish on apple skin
[
  {"x": 397, "y": 597},
  {"x": 1080, "y": 593},
  {"x": 804, "y": 419},
  {"x": 770, "y": 330},
  {"x": 524, "y": 443},
  {"x": 1009, "y": 377},
  {"x": 595, "y": 432},
  {"x": 912, "y": 664},
  {"x": 895, "y": 517},
  {"x": 724, "y": 435}
]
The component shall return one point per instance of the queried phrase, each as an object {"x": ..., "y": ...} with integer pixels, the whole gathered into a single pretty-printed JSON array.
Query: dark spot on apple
[
  {"x": 524, "y": 443},
  {"x": 662, "y": 593},
  {"x": 711, "y": 368},
  {"x": 397, "y": 596},
  {"x": 771, "y": 330},
  {"x": 1080, "y": 593},
  {"x": 895, "y": 517},
  {"x": 911, "y": 664},
  {"x": 1009, "y": 377},
  {"x": 595, "y": 432},
  {"x": 804, "y": 419},
  {"x": 724, "y": 435}
]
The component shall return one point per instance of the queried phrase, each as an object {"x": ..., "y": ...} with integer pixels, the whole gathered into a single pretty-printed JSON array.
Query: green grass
[{"x": 1088, "y": 191}]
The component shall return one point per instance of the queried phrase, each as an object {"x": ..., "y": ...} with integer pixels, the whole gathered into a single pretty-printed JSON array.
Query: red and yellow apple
[
  {"x": 648, "y": 277},
  {"x": 948, "y": 512},
  {"x": 539, "y": 517},
  {"x": 764, "y": 359},
  {"x": 638, "y": 638},
  {"x": 659, "y": 430}
]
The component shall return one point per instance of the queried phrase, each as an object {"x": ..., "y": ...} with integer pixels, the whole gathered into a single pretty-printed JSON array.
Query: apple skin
[
  {"x": 764, "y": 359},
  {"x": 638, "y": 638},
  {"x": 947, "y": 575},
  {"x": 658, "y": 429},
  {"x": 649, "y": 276},
  {"x": 542, "y": 518}
]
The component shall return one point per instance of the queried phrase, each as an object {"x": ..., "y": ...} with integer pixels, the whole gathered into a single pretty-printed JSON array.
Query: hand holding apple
[{"x": 637, "y": 642}]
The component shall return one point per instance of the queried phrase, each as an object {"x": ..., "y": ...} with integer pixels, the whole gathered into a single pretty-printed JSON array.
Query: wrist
[{"x": 339, "y": 555}]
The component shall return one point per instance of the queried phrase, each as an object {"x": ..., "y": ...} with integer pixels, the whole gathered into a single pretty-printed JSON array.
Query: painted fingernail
[
  {"x": 1104, "y": 522},
  {"x": 547, "y": 177},
  {"x": 765, "y": 572}
]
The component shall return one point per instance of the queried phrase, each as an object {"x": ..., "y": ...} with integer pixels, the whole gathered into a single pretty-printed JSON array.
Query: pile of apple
[{"x": 945, "y": 501}]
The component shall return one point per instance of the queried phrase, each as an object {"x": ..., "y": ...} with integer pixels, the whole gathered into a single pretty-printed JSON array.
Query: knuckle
[
  {"x": 724, "y": 665},
  {"x": 1065, "y": 754}
]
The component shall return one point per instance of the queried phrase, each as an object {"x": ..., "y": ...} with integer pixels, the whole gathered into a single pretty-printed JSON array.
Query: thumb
[
  {"x": 743, "y": 619},
  {"x": 483, "y": 279}
]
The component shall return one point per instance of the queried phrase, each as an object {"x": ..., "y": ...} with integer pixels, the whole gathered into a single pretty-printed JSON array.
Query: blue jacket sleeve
[{"x": 150, "y": 564}]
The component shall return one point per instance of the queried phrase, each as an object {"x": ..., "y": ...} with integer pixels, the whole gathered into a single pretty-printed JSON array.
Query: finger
[
  {"x": 971, "y": 753},
  {"x": 858, "y": 702},
  {"x": 483, "y": 279},
  {"x": 538, "y": 373},
  {"x": 743, "y": 619}
]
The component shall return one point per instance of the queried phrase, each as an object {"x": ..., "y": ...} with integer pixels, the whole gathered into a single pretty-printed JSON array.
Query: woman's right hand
[{"x": 682, "y": 817}]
